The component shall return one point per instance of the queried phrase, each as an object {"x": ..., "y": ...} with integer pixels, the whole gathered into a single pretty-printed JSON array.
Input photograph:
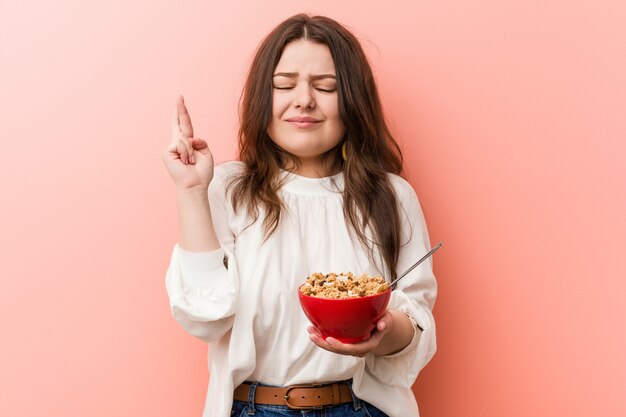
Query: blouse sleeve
[
  {"x": 202, "y": 290},
  {"x": 414, "y": 295}
]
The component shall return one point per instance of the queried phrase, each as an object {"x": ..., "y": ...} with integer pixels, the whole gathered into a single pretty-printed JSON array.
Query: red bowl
[{"x": 349, "y": 320}]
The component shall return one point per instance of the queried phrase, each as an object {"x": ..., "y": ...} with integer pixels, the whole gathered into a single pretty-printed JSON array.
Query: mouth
[{"x": 303, "y": 122}]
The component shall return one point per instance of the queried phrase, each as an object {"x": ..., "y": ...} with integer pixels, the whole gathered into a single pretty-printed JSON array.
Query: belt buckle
[{"x": 296, "y": 407}]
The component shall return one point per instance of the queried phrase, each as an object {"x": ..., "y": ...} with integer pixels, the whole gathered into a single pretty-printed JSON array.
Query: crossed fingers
[{"x": 182, "y": 133}]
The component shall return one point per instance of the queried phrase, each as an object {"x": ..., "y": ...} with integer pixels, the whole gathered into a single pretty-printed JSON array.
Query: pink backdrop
[{"x": 511, "y": 115}]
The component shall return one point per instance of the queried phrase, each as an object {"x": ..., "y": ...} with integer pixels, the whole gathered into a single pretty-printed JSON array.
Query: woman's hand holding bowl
[{"x": 383, "y": 326}]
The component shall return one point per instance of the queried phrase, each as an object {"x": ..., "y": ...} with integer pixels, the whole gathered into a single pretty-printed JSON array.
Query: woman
[{"x": 316, "y": 188}]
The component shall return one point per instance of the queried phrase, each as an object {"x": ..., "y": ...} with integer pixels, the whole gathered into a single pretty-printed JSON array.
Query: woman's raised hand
[{"x": 188, "y": 159}]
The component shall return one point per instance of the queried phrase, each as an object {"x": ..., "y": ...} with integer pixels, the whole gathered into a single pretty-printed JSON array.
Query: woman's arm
[
  {"x": 202, "y": 292},
  {"x": 197, "y": 233}
]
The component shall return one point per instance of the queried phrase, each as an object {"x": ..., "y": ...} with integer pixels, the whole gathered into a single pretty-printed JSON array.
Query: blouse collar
[{"x": 297, "y": 184}]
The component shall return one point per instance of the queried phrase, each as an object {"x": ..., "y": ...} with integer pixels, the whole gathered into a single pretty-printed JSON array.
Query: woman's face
[{"x": 305, "y": 112}]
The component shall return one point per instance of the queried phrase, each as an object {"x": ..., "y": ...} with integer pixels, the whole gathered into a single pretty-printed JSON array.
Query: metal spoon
[{"x": 416, "y": 264}]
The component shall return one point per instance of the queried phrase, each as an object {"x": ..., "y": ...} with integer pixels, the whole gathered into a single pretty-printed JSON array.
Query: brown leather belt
[{"x": 298, "y": 397}]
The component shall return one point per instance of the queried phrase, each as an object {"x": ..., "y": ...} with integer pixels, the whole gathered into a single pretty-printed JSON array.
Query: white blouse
[{"x": 250, "y": 315}]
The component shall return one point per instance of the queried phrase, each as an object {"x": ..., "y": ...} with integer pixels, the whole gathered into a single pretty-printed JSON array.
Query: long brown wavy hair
[{"x": 369, "y": 200}]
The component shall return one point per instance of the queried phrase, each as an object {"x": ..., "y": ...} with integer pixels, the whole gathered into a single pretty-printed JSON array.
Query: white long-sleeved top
[{"x": 250, "y": 315}]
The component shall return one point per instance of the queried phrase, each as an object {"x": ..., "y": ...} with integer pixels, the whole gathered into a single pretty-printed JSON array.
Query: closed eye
[{"x": 323, "y": 90}]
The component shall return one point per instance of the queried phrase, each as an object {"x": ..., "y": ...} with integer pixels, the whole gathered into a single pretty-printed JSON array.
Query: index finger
[
  {"x": 184, "y": 120},
  {"x": 176, "y": 133}
]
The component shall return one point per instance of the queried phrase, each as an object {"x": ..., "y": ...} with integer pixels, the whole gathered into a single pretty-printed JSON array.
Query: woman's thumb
[{"x": 198, "y": 144}]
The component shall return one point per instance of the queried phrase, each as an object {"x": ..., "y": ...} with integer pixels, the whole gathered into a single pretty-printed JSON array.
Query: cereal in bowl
[{"x": 343, "y": 285}]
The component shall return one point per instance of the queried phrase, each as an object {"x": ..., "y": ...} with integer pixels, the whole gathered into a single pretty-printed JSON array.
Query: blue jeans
[{"x": 357, "y": 408}]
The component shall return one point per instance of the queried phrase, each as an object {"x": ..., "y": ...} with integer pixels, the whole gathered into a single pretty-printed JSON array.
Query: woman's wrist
[
  {"x": 198, "y": 191},
  {"x": 398, "y": 337},
  {"x": 197, "y": 233}
]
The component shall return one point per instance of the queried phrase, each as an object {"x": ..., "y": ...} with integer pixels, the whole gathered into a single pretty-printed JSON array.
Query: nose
[{"x": 304, "y": 97}]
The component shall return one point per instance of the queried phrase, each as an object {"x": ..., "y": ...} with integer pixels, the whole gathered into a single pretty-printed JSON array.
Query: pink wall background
[{"x": 511, "y": 115}]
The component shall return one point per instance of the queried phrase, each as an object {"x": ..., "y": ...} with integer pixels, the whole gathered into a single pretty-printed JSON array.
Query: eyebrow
[{"x": 295, "y": 75}]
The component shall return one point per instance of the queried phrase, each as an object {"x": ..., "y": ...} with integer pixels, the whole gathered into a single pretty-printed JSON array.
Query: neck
[{"x": 315, "y": 168}]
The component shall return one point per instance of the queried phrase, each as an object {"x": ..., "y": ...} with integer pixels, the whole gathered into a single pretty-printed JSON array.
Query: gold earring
[{"x": 344, "y": 152}]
